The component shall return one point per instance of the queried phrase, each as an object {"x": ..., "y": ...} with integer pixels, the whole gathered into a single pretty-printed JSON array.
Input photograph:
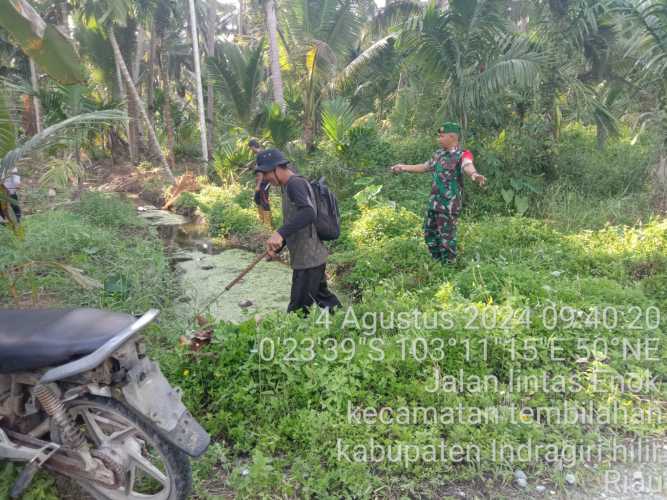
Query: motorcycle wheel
[{"x": 152, "y": 468}]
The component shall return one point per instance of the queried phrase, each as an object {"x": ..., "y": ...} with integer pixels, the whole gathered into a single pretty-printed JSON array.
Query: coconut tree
[
  {"x": 237, "y": 71},
  {"x": 110, "y": 14},
  {"x": 211, "y": 29},
  {"x": 576, "y": 39},
  {"x": 469, "y": 52},
  {"x": 274, "y": 53},
  {"x": 320, "y": 34},
  {"x": 646, "y": 43},
  {"x": 198, "y": 80}
]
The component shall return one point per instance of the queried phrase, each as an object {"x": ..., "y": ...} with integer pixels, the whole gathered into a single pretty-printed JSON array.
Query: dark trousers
[
  {"x": 15, "y": 206},
  {"x": 440, "y": 235},
  {"x": 309, "y": 286}
]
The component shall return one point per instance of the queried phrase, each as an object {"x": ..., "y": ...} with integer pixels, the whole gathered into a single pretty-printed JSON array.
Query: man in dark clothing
[
  {"x": 308, "y": 255},
  {"x": 261, "y": 189}
]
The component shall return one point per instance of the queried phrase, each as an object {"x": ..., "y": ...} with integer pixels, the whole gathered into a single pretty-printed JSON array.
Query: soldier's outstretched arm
[
  {"x": 418, "y": 168},
  {"x": 469, "y": 168}
]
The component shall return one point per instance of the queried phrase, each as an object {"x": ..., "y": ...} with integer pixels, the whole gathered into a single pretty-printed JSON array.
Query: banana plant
[{"x": 42, "y": 42}]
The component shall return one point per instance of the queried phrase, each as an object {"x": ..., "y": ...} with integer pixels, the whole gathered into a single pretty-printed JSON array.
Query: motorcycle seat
[{"x": 41, "y": 338}]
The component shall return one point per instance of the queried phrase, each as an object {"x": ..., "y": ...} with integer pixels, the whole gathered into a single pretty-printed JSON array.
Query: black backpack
[{"x": 327, "y": 218}]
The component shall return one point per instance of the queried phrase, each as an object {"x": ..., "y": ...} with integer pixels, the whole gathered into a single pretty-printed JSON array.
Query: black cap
[{"x": 268, "y": 160}]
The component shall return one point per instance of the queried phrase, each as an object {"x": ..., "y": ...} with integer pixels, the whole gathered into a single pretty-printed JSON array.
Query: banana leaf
[{"x": 44, "y": 43}]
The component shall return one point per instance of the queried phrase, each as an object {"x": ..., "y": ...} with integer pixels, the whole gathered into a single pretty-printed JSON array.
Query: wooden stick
[
  {"x": 238, "y": 278},
  {"x": 246, "y": 270}
]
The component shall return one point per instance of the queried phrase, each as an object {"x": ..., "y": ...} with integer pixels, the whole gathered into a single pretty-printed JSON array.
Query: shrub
[
  {"x": 228, "y": 218},
  {"x": 621, "y": 167},
  {"x": 229, "y": 209},
  {"x": 376, "y": 225},
  {"x": 108, "y": 210}
]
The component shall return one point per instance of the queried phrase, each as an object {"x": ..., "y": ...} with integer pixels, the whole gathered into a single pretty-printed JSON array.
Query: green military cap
[{"x": 450, "y": 128}]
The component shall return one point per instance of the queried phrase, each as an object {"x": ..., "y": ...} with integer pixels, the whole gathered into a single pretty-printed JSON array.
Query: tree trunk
[
  {"x": 241, "y": 22},
  {"x": 152, "y": 60},
  {"x": 139, "y": 104},
  {"x": 198, "y": 84},
  {"x": 139, "y": 54},
  {"x": 119, "y": 81},
  {"x": 166, "y": 105},
  {"x": 210, "y": 50},
  {"x": 136, "y": 71},
  {"x": 309, "y": 134},
  {"x": 28, "y": 116},
  {"x": 122, "y": 95},
  {"x": 132, "y": 131},
  {"x": 37, "y": 106},
  {"x": 274, "y": 53}
]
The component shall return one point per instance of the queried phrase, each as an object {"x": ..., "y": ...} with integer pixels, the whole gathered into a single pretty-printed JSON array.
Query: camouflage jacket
[{"x": 447, "y": 186}]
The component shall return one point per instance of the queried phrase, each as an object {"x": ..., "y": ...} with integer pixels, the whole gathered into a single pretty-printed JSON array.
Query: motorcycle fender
[{"x": 148, "y": 392}]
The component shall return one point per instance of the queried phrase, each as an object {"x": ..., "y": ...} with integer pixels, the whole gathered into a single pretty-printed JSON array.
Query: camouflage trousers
[{"x": 440, "y": 234}]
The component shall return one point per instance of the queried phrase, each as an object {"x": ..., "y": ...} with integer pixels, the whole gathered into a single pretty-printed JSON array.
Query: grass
[
  {"x": 526, "y": 298},
  {"x": 105, "y": 240},
  {"x": 571, "y": 291}
]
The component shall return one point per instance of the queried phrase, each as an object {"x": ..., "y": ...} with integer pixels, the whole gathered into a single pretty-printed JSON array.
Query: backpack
[{"x": 327, "y": 215}]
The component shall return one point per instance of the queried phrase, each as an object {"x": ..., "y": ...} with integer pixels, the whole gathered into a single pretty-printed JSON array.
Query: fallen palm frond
[{"x": 13, "y": 274}]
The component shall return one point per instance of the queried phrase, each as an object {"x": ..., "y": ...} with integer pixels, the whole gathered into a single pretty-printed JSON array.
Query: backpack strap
[{"x": 313, "y": 200}]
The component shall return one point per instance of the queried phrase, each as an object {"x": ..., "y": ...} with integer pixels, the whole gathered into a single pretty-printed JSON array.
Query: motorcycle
[{"x": 79, "y": 397}]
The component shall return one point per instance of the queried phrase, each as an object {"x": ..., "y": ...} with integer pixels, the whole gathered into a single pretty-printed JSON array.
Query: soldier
[{"x": 444, "y": 205}]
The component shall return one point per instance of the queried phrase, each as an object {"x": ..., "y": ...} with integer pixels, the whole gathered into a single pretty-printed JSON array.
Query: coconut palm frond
[
  {"x": 375, "y": 51},
  {"x": 646, "y": 33},
  {"x": 342, "y": 29},
  {"x": 434, "y": 41},
  {"x": 56, "y": 134},
  {"x": 393, "y": 15},
  {"x": 7, "y": 129},
  {"x": 516, "y": 67},
  {"x": 337, "y": 118},
  {"x": 238, "y": 72}
]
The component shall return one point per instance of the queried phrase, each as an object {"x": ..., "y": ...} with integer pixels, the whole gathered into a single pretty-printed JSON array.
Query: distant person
[
  {"x": 261, "y": 189},
  {"x": 308, "y": 255},
  {"x": 12, "y": 184},
  {"x": 447, "y": 166}
]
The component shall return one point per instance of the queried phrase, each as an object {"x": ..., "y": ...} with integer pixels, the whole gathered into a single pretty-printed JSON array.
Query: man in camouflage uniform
[{"x": 444, "y": 205}]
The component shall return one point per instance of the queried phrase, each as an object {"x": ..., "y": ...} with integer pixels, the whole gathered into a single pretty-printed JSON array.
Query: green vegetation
[
  {"x": 289, "y": 405},
  {"x": 103, "y": 239},
  {"x": 562, "y": 268},
  {"x": 287, "y": 413}
]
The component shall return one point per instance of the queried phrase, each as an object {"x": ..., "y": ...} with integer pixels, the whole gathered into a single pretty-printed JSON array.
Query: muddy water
[{"x": 204, "y": 270}]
